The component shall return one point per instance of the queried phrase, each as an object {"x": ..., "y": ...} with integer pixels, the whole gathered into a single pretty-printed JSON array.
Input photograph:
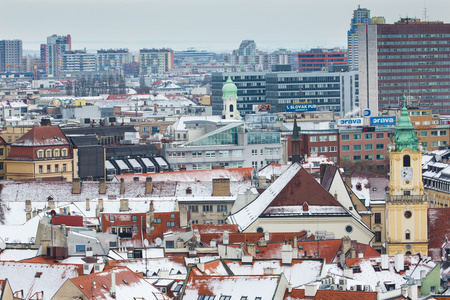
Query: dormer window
[
  {"x": 40, "y": 153},
  {"x": 48, "y": 153},
  {"x": 56, "y": 153},
  {"x": 64, "y": 152}
]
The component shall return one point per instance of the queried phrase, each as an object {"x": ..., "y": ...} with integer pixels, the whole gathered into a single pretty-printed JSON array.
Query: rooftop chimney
[
  {"x": 28, "y": 206},
  {"x": 113, "y": 284},
  {"x": 399, "y": 262},
  {"x": 76, "y": 186},
  {"x": 100, "y": 205},
  {"x": 102, "y": 186},
  {"x": 221, "y": 187},
  {"x": 122, "y": 186},
  {"x": 124, "y": 205},
  {"x": 345, "y": 244},
  {"x": 286, "y": 254},
  {"x": 148, "y": 185},
  {"x": 88, "y": 204},
  {"x": 251, "y": 249}
]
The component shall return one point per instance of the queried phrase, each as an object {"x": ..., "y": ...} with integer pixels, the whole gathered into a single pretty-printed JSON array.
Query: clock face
[{"x": 407, "y": 173}]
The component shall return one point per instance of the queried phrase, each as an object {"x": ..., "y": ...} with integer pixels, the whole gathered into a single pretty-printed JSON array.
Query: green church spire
[
  {"x": 405, "y": 137},
  {"x": 229, "y": 88}
]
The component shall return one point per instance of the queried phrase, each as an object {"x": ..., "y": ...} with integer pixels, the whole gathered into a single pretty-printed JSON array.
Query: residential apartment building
[
  {"x": 313, "y": 91},
  {"x": 155, "y": 61},
  {"x": 248, "y": 56},
  {"x": 409, "y": 57},
  {"x": 113, "y": 59},
  {"x": 320, "y": 59},
  {"x": 77, "y": 61},
  {"x": 51, "y": 52},
  {"x": 10, "y": 55},
  {"x": 251, "y": 90}
]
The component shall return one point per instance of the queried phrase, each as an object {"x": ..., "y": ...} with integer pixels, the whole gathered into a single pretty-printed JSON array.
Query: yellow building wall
[
  {"x": 438, "y": 199},
  {"x": 16, "y": 169},
  {"x": 12, "y": 134},
  {"x": 396, "y": 184},
  {"x": 381, "y": 227}
]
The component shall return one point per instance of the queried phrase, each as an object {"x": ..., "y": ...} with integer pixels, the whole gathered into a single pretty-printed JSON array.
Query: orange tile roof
[{"x": 299, "y": 294}]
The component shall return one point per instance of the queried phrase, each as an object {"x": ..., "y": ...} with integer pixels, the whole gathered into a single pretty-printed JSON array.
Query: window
[
  {"x": 380, "y": 135},
  {"x": 210, "y": 154},
  {"x": 157, "y": 221},
  {"x": 207, "y": 208},
  {"x": 434, "y": 133},
  {"x": 254, "y": 152},
  {"x": 314, "y": 149},
  {"x": 196, "y": 154},
  {"x": 349, "y": 228},
  {"x": 434, "y": 143},
  {"x": 442, "y": 133},
  {"x": 345, "y": 147},
  {"x": 64, "y": 167},
  {"x": 368, "y": 147},
  {"x": 377, "y": 236},
  {"x": 134, "y": 218},
  {"x": 48, "y": 168},
  {"x": 170, "y": 244},
  {"x": 377, "y": 218},
  {"x": 368, "y": 157},
  {"x": 261, "y": 152},
  {"x": 406, "y": 161},
  {"x": 357, "y": 158},
  {"x": 222, "y": 207},
  {"x": 111, "y": 218},
  {"x": 172, "y": 216},
  {"x": 48, "y": 153},
  {"x": 380, "y": 156},
  {"x": 193, "y": 208},
  {"x": 56, "y": 168},
  {"x": 313, "y": 138},
  {"x": 64, "y": 152},
  {"x": 368, "y": 136},
  {"x": 407, "y": 235},
  {"x": 206, "y": 297},
  {"x": 112, "y": 244},
  {"x": 356, "y": 147},
  {"x": 135, "y": 228},
  {"x": 237, "y": 153},
  {"x": 225, "y": 298},
  {"x": 40, "y": 168},
  {"x": 380, "y": 146},
  {"x": 332, "y": 138},
  {"x": 357, "y": 136},
  {"x": 323, "y": 138},
  {"x": 345, "y": 137},
  {"x": 323, "y": 149},
  {"x": 425, "y": 144},
  {"x": 224, "y": 153},
  {"x": 40, "y": 153},
  {"x": 1, "y": 152},
  {"x": 170, "y": 224},
  {"x": 424, "y": 133},
  {"x": 80, "y": 248},
  {"x": 333, "y": 149},
  {"x": 345, "y": 158},
  {"x": 408, "y": 214}
]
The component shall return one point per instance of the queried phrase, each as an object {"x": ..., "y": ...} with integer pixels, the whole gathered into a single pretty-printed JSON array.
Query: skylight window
[{"x": 38, "y": 275}]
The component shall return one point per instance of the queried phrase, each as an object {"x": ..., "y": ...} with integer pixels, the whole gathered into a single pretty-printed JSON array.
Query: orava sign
[
  {"x": 382, "y": 121},
  {"x": 350, "y": 122}
]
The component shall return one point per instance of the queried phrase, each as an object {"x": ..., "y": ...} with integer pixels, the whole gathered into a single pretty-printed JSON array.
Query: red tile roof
[
  {"x": 299, "y": 294},
  {"x": 438, "y": 231},
  {"x": 303, "y": 188}
]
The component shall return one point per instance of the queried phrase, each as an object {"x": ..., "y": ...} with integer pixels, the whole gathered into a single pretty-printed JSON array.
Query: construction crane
[{"x": 35, "y": 69}]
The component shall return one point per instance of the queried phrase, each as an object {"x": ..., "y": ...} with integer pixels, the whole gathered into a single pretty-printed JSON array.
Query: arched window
[
  {"x": 231, "y": 107},
  {"x": 407, "y": 235},
  {"x": 40, "y": 153},
  {"x": 64, "y": 152},
  {"x": 48, "y": 153},
  {"x": 56, "y": 153},
  {"x": 406, "y": 161}
]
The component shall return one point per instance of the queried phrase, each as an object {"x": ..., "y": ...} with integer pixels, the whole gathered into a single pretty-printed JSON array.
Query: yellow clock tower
[{"x": 406, "y": 203}]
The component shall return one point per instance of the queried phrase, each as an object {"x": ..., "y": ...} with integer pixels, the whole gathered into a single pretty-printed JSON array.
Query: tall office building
[
  {"x": 408, "y": 58},
  {"x": 155, "y": 61},
  {"x": 113, "y": 59},
  {"x": 320, "y": 59},
  {"x": 77, "y": 61},
  {"x": 51, "y": 52},
  {"x": 10, "y": 54},
  {"x": 247, "y": 56},
  {"x": 361, "y": 16}
]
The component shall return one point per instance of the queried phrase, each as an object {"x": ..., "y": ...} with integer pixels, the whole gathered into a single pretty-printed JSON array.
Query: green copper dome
[
  {"x": 405, "y": 137},
  {"x": 229, "y": 88}
]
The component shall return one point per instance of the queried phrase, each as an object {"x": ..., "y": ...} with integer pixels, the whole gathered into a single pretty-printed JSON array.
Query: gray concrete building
[{"x": 10, "y": 54}]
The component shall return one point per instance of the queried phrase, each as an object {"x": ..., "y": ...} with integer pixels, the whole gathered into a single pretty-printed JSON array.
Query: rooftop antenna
[{"x": 425, "y": 17}]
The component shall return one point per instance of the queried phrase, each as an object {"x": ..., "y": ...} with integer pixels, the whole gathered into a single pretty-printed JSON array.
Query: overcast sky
[{"x": 201, "y": 24}]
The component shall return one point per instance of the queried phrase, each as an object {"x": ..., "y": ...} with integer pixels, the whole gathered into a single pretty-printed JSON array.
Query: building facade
[
  {"x": 155, "y": 61},
  {"x": 409, "y": 57},
  {"x": 113, "y": 59},
  {"x": 320, "y": 59},
  {"x": 50, "y": 53},
  {"x": 77, "y": 61},
  {"x": 10, "y": 55}
]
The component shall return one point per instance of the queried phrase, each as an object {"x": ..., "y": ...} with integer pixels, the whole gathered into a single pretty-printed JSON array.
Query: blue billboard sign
[
  {"x": 383, "y": 121},
  {"x": 301, "y": 107}
]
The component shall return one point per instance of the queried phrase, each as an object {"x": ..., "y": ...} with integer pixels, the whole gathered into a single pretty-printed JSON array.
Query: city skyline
[{"x": 180, "y": 25}]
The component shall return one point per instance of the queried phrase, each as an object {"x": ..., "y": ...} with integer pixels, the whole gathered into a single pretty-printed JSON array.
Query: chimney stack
[
  {"x": 148, "y": 185},
  {"x": 100, "y": 205},
  {"x": 102, "y": 186},
  {"x": 251, "y": 249},
  {"x": 28, "y": 206},
  {"x": 124, "y": 205},
  {"x": 345, "y": 244},
  {"x": 76, "y": 186},
  {"x": 88, "y": 204},
  {"x": 221, "y": 187},
  {"x": 122, "y": 186}
]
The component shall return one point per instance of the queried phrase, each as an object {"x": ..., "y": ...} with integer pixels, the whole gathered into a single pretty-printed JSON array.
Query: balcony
[{"x": 406, "y": 198}]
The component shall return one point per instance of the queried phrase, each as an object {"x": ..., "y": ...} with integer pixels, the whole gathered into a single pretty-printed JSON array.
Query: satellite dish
[
  {"x": 2, "y": 245},
  {"x": 158, "y": 242},
  {"x": 146, "y": 243}
]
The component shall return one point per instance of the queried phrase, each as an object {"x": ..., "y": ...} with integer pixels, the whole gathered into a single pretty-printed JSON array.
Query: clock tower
[
  {"x": 406, "y": 203},
  {"x": 229, "y": 97}
]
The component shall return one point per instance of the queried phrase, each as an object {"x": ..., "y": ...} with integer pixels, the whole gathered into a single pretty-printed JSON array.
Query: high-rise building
[
  {"x": 77, "y": 61},
  {"x": 409, "y": 58},
  {"x": 155, "y": 61},
  {"x": 320, "y": 59},
  {"x": 50, "y": 53},
  {"x": 361, "y": 16},
  {"x": 113, "y": 59},
  {"x": 10, "y": 54},
  {"x": 249, "y": 57}
]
